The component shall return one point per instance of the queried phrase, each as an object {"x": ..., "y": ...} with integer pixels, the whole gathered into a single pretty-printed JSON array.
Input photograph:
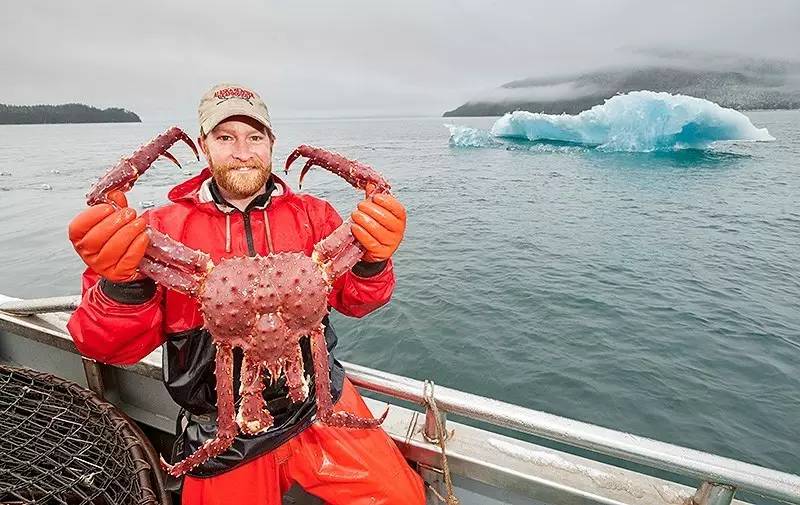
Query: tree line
[{"x": 66, "y": 113}]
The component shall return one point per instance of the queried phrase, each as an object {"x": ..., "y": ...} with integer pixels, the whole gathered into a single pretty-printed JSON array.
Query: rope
[{"x": 441, "y": 436}]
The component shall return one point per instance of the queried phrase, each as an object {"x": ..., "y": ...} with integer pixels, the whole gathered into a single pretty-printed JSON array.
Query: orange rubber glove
[
  {"x": 110, "y": 241},
  {"x": 379, "y": 224}
]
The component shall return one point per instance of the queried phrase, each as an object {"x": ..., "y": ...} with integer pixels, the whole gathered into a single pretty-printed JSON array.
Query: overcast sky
[{"x": 350, "y": 57}]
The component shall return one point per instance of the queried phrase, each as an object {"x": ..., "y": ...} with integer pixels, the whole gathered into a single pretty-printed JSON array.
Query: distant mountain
[
  {"x": 765, "y": 86},
  {"x": 67, "y": 113}
]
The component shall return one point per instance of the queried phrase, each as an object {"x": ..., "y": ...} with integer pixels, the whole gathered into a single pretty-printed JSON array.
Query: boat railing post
[
  {"x": 712, "y": 493},
  {"x": 431, "y": 429},
  {"x": 94, "y": 377},
  {"x": 435, "y": 432}
]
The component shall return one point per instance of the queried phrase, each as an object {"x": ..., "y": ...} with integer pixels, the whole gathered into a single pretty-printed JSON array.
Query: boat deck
[{"x": 490, "y": 463}]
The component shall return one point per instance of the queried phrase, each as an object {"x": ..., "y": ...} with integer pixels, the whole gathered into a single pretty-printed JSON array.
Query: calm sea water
[{"x": 652, "y": 293}]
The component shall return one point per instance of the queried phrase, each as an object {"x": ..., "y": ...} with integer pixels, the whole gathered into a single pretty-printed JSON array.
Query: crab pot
[{"x": 63, "y": 445}]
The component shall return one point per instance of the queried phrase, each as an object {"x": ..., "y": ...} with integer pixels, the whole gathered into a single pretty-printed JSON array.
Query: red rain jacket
[{"x": 118, "y": 333}]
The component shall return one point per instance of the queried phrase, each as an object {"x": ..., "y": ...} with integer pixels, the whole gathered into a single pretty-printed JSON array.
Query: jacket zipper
[{"x": 248, "y": 233}]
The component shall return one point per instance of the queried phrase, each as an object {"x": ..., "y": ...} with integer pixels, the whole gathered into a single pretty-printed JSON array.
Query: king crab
[{"x": 263, "y": 305}]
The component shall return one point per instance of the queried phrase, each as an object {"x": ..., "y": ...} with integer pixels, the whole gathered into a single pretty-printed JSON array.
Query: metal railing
[
  {"x": 718, "y": 473},
  {"x": 41, "y": 305},
  {"x": 720, "y": 476}
]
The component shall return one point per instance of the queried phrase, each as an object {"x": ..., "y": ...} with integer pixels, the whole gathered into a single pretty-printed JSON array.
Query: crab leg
[
  {"x": 165, "y": 249},
  {"x": 173, "y": 264},
  {"x": 339, "y": 251},
  {"x": 356, "y": 173},
  {"x": 124, "y": 174},
  {"x": 322, "y": 379},
  {"x": 166, "y": 261},
  {"x": 226, "y": 422},
  {"x": 253, "y": 415},
  {"x": 295, "y": 378}
]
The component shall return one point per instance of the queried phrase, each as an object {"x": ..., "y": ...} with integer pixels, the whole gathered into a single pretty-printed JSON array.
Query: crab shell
[{"x": 264, "y": 304}]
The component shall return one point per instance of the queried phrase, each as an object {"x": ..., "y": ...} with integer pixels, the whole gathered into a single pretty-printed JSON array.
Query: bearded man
[{"x": 238, "y": 207}]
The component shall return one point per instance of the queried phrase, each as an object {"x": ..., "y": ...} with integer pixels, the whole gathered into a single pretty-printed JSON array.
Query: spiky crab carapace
[{"x": 263, "y": 305}]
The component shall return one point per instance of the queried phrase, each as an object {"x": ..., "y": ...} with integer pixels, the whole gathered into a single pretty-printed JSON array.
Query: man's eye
[
  {"x": 256, "y": 138},
  {"x": 225, "y": 137}
]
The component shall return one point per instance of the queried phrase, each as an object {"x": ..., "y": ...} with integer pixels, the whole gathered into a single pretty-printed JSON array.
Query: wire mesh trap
[{"x": 60, "y": 444}]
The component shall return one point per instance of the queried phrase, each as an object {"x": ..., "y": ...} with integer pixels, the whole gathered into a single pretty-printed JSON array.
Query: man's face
[{"x": 239, "y": 153}]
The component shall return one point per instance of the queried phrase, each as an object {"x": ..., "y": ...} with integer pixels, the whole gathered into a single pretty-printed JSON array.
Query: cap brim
[{"x": 232, "y": 110}]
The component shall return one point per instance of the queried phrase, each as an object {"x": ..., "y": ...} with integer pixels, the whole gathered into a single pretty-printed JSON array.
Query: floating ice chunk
[
  {"x": 146, "y": 204},
  {"x": 640, "y": 121},
  {"x": 5, "y": 174},
  {"x": 46, "y": 187},
  {"x": 464, "y": 136},
  {"x": 55, "y": 171}
]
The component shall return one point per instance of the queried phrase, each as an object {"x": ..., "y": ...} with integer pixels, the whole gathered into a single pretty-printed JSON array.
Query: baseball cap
[{"x": 226, "y": 100}]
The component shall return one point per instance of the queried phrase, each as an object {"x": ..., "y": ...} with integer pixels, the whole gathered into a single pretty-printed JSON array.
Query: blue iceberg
[{"x": 640, "y": 121}]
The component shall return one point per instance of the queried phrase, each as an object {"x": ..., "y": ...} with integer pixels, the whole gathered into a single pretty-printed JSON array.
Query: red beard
[{"x": 241, "y": 184}]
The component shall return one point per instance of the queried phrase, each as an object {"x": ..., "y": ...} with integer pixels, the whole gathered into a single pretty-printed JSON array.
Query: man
[{"x": 237, "y": 207}]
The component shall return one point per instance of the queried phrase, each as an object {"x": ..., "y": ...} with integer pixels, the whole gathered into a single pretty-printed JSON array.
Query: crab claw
[
  {"x": 124, "y": 174},
  {"x": 356, "y": 173},
  {"x": 189, "y": 142},
  {"x": 163, "y": 462},
  {"x": 310, "y": 163},
  {"x": 293, "y": 156},
  {"x": 308, "y": 152},
  {"x": 171, "y": 158}
]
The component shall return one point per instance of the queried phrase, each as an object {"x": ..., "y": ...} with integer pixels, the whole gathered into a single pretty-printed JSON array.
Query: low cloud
[{"x": 416, "y": 57}]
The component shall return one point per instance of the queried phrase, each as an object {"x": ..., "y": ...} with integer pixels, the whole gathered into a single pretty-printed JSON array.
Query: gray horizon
[{"x": 357, "y": 58}]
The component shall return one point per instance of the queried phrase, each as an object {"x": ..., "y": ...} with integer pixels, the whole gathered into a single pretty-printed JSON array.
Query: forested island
[
  {"x": 768, "y": 86},
  {"x": 66, "y": 113}
]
